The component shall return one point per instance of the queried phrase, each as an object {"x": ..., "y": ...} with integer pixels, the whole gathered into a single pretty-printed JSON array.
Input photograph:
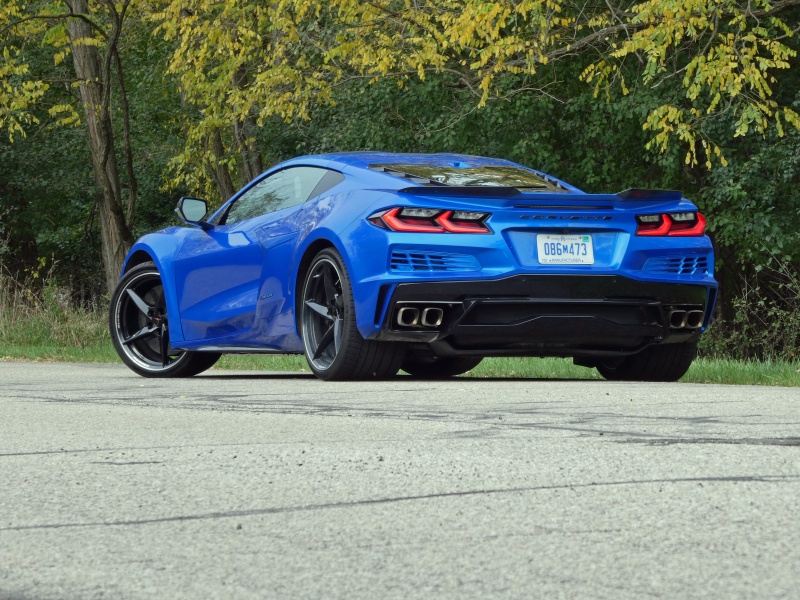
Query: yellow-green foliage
[
  {"x": 739, "y": 48},
  {"x": 295, "y": 52},
  {"x": 237, "y": 59},
  {"x": 21, "y": 90}
]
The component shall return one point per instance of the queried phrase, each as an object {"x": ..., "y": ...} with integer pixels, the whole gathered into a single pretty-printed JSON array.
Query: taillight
[
  {"x": 687, "y": 224},
  {"x": 431, "y": 220},
  {"x": 671, "y": 224}
]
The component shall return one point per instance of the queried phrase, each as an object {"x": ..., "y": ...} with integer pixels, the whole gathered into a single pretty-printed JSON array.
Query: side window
[
  {"x": 331, "y": 179},
  {"x": 283, "y": 189}
]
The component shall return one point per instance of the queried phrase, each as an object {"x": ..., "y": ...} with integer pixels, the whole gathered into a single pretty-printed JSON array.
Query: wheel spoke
[
  {"x": 324, "y": 342},
  {"x": 338, "y": 326},
  {"x": 318, "y": 308},
  {"x": 144, "y": 331},
  {"x": 327, "y": 279},
  {"x": 164, "y": 335},
  {"x": 141, "y": 304}
]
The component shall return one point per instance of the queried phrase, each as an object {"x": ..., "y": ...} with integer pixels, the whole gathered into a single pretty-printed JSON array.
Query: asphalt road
[{"x": 242, "y": 485}]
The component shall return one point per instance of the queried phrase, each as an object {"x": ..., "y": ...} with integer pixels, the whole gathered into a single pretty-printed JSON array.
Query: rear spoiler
[
  {"x": 446, "y": 191},
  {"x": 660, "y": 195}
]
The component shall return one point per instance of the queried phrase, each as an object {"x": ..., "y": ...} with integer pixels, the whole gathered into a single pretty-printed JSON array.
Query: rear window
[{"x": 522, "y": 179}]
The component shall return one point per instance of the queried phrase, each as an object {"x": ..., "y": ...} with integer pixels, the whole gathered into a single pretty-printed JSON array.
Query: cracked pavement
[{"x": 259, "y": 485}]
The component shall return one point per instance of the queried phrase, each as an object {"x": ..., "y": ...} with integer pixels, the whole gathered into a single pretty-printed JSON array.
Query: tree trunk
[
  {"x": 243, "y": 132},
  {"x": 252, "y": 166},
  {"x": 219, "y": 170},
  {"x": 94, "y": 80}
]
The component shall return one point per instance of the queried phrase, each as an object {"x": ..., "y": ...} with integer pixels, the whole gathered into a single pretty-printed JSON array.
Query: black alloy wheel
[
  {"x": 139, "y": 327},
  {"x": 334, "y": 348}
]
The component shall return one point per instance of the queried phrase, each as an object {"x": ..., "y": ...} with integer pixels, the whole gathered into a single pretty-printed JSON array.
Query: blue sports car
[{"x": 369, "y": 263}]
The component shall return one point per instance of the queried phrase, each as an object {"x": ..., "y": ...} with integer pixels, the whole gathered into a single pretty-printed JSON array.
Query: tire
[
  {"x": 140, "y": 328},
  {"x": 435, "y": 367},
  {"x": 656, "y": 363},
  {"x": 333, "y": 346}
]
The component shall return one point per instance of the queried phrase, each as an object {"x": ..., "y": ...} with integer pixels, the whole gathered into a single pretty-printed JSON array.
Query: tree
[
  {"x": 90, "y": 35},
  {"x": 726, "y": 56}
]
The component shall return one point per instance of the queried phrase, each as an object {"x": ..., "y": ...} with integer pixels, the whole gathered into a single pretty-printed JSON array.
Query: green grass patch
[
  {"x": 748, "y": 372},
  {"x": 703, "y": 370},
  {"x": 50, "y": 353},
  {"x": 264, "y": 362}
]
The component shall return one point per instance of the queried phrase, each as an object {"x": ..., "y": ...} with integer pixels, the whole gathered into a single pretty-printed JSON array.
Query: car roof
[{"x": 363, "y": 160}]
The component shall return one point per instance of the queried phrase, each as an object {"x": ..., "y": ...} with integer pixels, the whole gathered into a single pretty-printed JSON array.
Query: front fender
[{"x": 162, "y": 247}]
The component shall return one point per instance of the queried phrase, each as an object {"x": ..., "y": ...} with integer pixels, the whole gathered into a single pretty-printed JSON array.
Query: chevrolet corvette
[{"x": 370, "y": 263}]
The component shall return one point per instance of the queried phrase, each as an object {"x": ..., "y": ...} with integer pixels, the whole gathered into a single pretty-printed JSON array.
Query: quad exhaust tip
[
  {"x": 408, "y": 316},
  {"x": 432, "y": 317},
  {"x": 414, "y": 317},
  {"x": 686, "y": 319},
  {"x": 694, "y": 319}
]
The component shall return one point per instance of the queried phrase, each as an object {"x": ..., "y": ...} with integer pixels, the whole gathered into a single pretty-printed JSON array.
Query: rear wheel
[
  {"x": 333, "y": 346},
  {"x": 434, "y": 367},
  {"x": 139, "y": 328},
  {"x": 656, "y": 363}
]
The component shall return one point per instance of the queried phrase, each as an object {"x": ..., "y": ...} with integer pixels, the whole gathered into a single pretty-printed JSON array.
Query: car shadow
[{"x": 400, "y": 378}]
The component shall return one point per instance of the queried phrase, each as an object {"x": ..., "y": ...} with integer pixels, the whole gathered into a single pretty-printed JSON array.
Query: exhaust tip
[
  {"x": 694, "y": 319},
  {"x": 408, "y": 316},
  {"x": 677, "y": 319},
  {"x": 432, "y": 317}
]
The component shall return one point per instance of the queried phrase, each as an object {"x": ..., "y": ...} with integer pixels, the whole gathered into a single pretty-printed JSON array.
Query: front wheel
[
  {"x": 139, "y": 328},
  {"x": 333, "y": 346},
  {"x": 668, "y": 362}
]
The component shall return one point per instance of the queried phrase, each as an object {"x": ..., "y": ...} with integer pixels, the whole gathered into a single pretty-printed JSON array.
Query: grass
[
  {"x": 703, "y": 370},
  {"x": 41, "y": 328}
]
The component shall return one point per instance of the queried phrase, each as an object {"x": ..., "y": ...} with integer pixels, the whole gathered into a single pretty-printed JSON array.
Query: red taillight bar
[
  {"x": 395, "y": 223},
  {"x": 655, "y": 230},
  {"x": 667, "y": 226},
  {"x": 437, "y": 221},
  {"x": 445, "y": 221},
  {"x": 689, "y": 229}
]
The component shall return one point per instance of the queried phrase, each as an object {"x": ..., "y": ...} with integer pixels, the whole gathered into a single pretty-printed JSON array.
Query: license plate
[{"x": 564, "y": 249}]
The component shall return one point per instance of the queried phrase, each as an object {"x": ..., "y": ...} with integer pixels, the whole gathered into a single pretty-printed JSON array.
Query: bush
[
  {"x": 37, "y": 312},
  {"x": 766, "y": 323}
]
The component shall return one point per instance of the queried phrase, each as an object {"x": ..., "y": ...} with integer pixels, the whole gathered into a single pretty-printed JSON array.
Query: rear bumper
[{"x": 548, "y": 315}]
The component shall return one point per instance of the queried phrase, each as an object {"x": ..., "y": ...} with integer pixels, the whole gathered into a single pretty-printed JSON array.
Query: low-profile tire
[
  {"x": 668, "y": 362},
  {"x": 435, "y": 367},
  {"x": 139, "y": 328},
  {"x": 333, "y": 345}
]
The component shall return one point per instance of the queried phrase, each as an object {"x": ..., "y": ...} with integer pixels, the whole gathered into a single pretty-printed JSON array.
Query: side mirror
[{"x": 193, "y": 211}]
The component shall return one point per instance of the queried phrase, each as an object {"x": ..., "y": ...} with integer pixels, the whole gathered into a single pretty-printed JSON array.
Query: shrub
[
  {"x": 37, "y": 312},
  {"x": 766, "y": 323}
]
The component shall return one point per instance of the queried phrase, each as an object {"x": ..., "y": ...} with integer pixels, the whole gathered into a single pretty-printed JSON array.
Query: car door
[{"x": 220, "y": 273}]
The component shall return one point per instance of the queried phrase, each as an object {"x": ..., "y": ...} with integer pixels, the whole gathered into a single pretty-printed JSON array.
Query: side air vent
[
  {"x": 676, "y": 265},
  {"x": 405, "y": 261}
]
